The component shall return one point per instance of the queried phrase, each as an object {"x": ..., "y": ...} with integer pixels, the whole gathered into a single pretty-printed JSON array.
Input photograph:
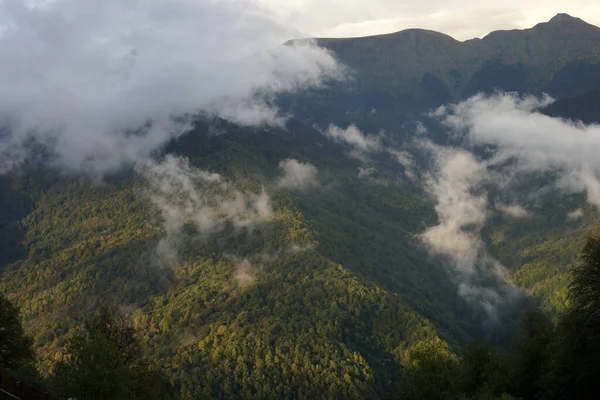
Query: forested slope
[
  {"x": 321, "y": 299},
  {"x": 320, "y": 287}
]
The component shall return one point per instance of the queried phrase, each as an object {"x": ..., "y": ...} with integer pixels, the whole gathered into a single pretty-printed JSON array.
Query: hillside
[
  {"x": 289, "y": 261},
  {"x": 335, "y": 288},
  {"x": 401, "y": 74},
  {"x": 416, "y": 60}
]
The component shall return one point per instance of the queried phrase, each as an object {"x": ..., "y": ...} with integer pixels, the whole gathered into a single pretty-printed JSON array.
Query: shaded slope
[{"x": 398, "y": 62}]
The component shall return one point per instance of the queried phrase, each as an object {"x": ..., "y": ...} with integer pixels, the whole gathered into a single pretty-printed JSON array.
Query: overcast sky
[{"x": 462, "y": 19}]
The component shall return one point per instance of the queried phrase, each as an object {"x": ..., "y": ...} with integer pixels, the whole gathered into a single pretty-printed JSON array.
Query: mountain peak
[{"x": 563, "y": 18}]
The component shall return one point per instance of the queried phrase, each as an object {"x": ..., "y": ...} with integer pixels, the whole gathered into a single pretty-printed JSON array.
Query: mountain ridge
[{"x": 397, "y": 62}]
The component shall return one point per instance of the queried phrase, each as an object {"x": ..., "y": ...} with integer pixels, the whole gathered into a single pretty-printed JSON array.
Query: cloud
[
  {"x": 366, "y": 172},
  {"x": 354, "y": 137},
  {"x": 528, "y": 140},
  {"x": 186, "y": 195},
  {"x": 421, "y": 129},
  {"x": 461, "y": 213},
  {"x": 405, "y": 159},
  {"x": 102, "y": 83},
  {"x": 244, "y": 273},
  {"x": 513, "y": 140},
  {"x": 575, "y": 214},
  {"x": 297, "y": 175},
  {"x": 462, "y": 208},
  {"x": 513, "y": 210}
]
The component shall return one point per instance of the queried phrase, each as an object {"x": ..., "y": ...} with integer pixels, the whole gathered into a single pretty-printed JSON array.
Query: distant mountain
[
  {"x": 394, "y": 77},
  {"x": 584, "y": 107},
  {"x": 428, "y": 65}
]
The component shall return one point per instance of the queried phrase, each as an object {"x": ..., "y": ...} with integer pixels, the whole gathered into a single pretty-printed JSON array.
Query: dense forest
[
  {"x": 289, "y": 261},
  {"x": 108, "y": 358}
]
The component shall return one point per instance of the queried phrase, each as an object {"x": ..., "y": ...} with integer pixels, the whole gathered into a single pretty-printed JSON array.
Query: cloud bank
[
  {"x": 102, "y": 83},
  {"x": 503, "y": 136},
  {"x": 297, "y": 175},
  {"x": 528, "y": 140}
]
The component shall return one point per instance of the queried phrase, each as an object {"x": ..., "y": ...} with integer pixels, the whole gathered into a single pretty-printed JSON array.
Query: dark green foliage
[
  {"x": 15, "y": 346},
  {"x": 496, "y": 76},
  {"x": 576, "y": 78},
  {"x": 429, "y": 372},
  {"x": 533, "y": 352},
  {"x": 305, "y": 326},
  {"x": 545, "y": 363},
  {"x": 577, "y": 361},
  {"x": 484, "y": 370},
  {"x": 584, "y": 108},
  {"x": 106, "y": 362}
]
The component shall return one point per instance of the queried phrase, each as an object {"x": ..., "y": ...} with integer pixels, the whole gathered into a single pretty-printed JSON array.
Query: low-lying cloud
[
  {"x": 407, "y": 161},
  {"x": 461, "y": 213},
  {"x": 186, "y": 195},
  {"x": 503, "y": 136},
  {"x": 575, "y": 214},
  {"x": 455, "y": 182},
  {"x": 297, "y": 175},
  {"x": 514, "y": 210},
  {"x": 354, "y": 137},
  {"x": 103, "y": 84},
  {"x": 244, "y": 273},
  {"x": 530, "y": 140}
]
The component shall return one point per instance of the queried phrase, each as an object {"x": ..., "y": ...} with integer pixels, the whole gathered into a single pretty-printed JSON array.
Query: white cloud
[
  {"x": 186, "y": 195},
  {"x": 405, "y": 159},
  {"x": 533, "y": 142},
  {"x": 519, "y": 141},
  {"x": 354, "y": 137},
  {"x": 421, "y": 129},
  {"x": 462, "y": 208},
  {"x": 514, "y": 210},
  {"x": 461, "y": 213},
  {"x": 244, "y": 273},
  {"x": 297, "y": 175},
  {"x": 366, "y": 172},
  {"x": 83, "y": 75},
  {"x": 575, "y": 214}
]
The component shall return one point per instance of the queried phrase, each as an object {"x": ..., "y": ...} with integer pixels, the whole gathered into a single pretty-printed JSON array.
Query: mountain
[
  {"x": 421, "y": 61},
  {"x": 401, "y": 74},
  {"x": 327, "y": 296}
]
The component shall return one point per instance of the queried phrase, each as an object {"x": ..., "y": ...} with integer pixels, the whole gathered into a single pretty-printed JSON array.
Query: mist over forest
[{"x": 201, "y": 199}]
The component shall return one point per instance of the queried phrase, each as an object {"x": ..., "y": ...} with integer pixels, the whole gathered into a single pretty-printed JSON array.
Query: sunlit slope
[{"x": 332, "y": 288}]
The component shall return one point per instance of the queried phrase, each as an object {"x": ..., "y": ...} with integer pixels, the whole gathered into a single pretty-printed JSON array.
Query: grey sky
[{"x": 462, "y": 19}]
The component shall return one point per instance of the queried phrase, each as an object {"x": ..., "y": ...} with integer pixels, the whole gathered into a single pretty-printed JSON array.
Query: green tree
[
  {"x": 532, "y": 353},
  {"x": 430, "y": 371},
  {"x": 577, "y": 364},
  {"x": 106, "y": 362},
  {"x": 484, "y": 370},
  {"x": 15, "y": 346}
]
